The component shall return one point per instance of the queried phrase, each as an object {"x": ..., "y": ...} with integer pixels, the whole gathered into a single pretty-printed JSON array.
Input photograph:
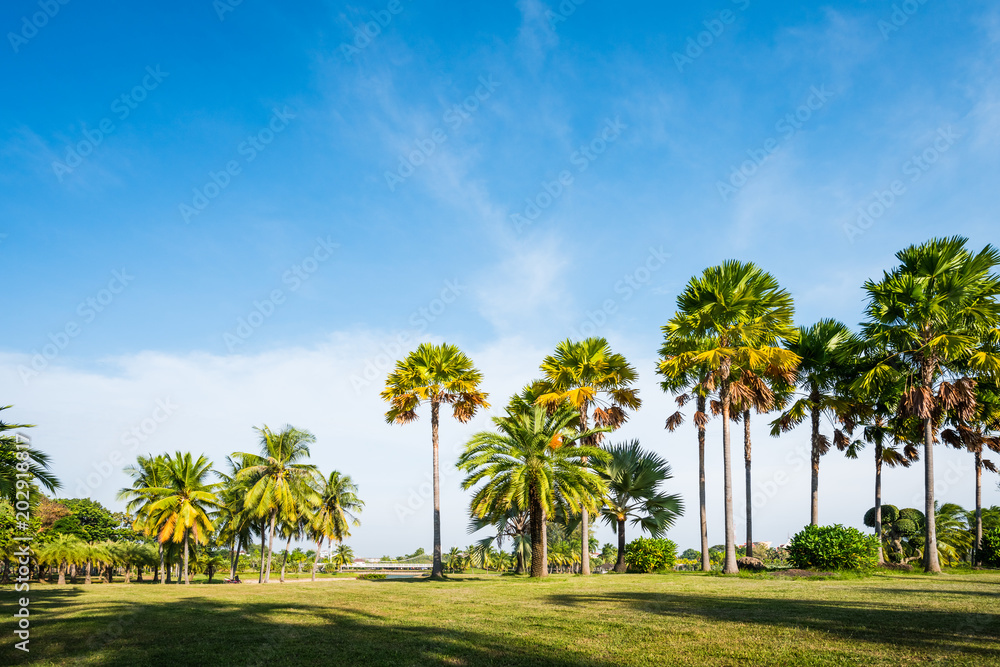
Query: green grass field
[{"x": 676, "y": 619}]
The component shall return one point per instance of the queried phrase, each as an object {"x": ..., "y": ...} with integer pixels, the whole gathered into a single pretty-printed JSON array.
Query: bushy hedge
[
  {"x": 833, "y": 548},
  {"x": 371, "y": 577},
  {"x": 991, "y": 548},
  {"x": 650, "y": 555}
]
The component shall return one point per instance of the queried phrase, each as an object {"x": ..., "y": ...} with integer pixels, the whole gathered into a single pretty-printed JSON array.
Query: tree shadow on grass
[
  {"x": 973, "y": 633},
  {"x": 204, "y": 631}
]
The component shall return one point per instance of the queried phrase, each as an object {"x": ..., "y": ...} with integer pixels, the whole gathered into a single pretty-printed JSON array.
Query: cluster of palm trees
[
  {"x": 922, "y": 369},
  {"x": 268, "y": 493}
]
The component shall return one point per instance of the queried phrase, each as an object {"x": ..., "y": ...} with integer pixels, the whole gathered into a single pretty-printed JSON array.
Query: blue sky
[{"x": 645, "y": 127}]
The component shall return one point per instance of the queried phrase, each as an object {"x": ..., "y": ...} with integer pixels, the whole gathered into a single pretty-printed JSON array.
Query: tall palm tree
[
  {"x": 182, "y": 504},
  {"x": 532, "y": 460},
  {"x": 276, "y": 480},
  {"x": 588, "y": 374},
  {"x": 687, "y": 384},
  {"x": 14, "y": 451},
  {"x": 823, "y": 349},
  {"x": 932, "y": 314},
  {"x": 634, "y": 477},
  {"x": 434, "y": 374},
  {"x": 336, "y": 510},
  {"x": 746, "y": 315},
  {"x": 148, "y": 473}
]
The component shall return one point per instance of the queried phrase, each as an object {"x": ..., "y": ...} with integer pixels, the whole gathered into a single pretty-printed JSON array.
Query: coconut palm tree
[
  {"x": 342, "y": 556},
  {"x": 15, "y": 450},
  {"x": 434, "y": 374},
  {"x": 823, "y": 349},
  {"x": 335, "y": 511},
  {"x": 746, "y": 316},
  {"x": 148, "y": 472},
  {"x": 588, "y": 374},
  {"x": 182, "y": 504},
  {"x": 688, "y": 384},
  {"x": 534, "y": 460},
  {"x": 634, "y": 477},
  {"x": 453, "y": 558},
  {"x": 275, "y": 480},
  {"x": 62, "y": 551},
  {"x": 932, "y": 315}
]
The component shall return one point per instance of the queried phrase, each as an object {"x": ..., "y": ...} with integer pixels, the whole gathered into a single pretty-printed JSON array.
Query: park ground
[{"x": 606, "y": 620}]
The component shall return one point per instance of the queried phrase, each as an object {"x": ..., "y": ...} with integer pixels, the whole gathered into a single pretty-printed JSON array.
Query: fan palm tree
[
  {"x": 276, "y": 480},
  {"x": 182, "y": 504},
  {"x": 634, "y": 476},
  {"x": 588, "y": 374},
  {"x": 687, "y": 384},
  {"x": 148, "y": 473},
  {"x": 745, "y": 315},
  {"x": 336, "y": 510},
  {"x": 932, "y": 315},
  {"x": 434, "y": 374},
  {"x": 15, "y": 450},
  {"x": 62, "y": 551},
  {"x": 823, "y": 349},
  {"x": 532, "y": 460}
]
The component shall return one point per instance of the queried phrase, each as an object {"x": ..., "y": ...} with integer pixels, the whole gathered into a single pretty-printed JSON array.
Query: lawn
[{"x": 676, "y": 619}]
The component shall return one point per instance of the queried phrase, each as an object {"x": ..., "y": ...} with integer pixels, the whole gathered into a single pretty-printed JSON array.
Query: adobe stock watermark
[
  {"x": 787, "y": 127},
  {"x": 31, "y": 24},
  {"x": 368, "y": 31},
  {"x": 456, "y": 116},
  {"x": 293, "y": 279},
  {"x": 419, "y": 495},
  {"x": 140, "y": 433},
  {"x": 122, "y": 107},
  {"x": 87, "y": 310},
  {"x": 377, "y": 367},
  {"x": 223, "y": 7},
  {"x": 696, "y": 45},
  {"x": 899, "y": 17},
  {"x": 562, "y": 12},
  {"x": 581, "y": 159},
  {"x": 883, "y": 199},
  {"x": 626, "y": 288},
  {"x": 248, "y": 150}
]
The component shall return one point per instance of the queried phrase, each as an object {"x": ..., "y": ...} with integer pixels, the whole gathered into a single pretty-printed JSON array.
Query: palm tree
[
  {"x": 336, "y": 510},
  {"x": 687, "y": 385},
  {"x": 513, "y": 523},
  {"x": 92, "y": 555},
  {"x": 531, "y": 461},
  {"x": 745, "y": 315},
  {"x": 823, "y": 349},
  {"x": 588, "y": 374},
  {"x": 931, "y": 314},
  {"x": 342, "y": 556},
  {"x": 634, "y": 477},
  {"x": 182, "y": 504},
  {"x": 14, "y": 451},
  {"x": 147, "y": 473},
  {"x": 275, "y": 480},
  {"x": 453, "y": 558},
  {"x": 434, "y": 374},
  {"x": 62, "y": 551}
]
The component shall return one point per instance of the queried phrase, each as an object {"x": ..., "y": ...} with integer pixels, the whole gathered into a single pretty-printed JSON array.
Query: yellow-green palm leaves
[
  {"x": 337, "y": 508},
  {"x": 533, "y": 461}
]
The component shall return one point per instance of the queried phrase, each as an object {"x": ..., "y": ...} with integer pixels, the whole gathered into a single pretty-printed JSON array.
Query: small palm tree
[
  {"x": 62, "y": 551},
  {"x": 434, "y": 374},
  {"x": 335, "y": 512},
  {"x": 634, "y": 476},
  {"x": 342, "y": 556}
]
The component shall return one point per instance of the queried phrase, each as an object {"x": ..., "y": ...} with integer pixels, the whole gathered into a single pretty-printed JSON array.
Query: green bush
[
  {"x": 650, "y": 555},
  {"x": 991, "y": 548},
  {"x": 833, "y": 548},
  {"x": 371, "y": 577}
]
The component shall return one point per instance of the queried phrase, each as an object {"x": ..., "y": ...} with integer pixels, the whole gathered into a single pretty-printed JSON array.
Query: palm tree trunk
[
  {"x": 977, "y": 560},
  {"x": 584, "y": 515},
  {"x": 270, "y": 545},
  {"x": 931, "y": 563},
  {"x": 706, "y": 559},
  {"x": 815, "y": 414},
  {"x": 62, "y": 573},
  {"x": 539, "y": 567},
  {"x": 319, "y": 546},
  {"x": 187, "y": 573},
  {"x": 878, "y": 501},
  {"x": 162, "y": 572},
  {"x": 263, "y": 536},
  {"x": 749, "y": 482},
  {"x": 284, "y": 559},
  {"x": 545, "y": 543},
  {"x": 86, "y": 579},
  {"x": 438, "y": 569},
  {"x": 730, "y": 566},
  {"x": 620, "y": 565}
]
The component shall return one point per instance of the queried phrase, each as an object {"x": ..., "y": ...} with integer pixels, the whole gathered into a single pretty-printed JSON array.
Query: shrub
[
  {"x": 371, "y": 577},
  {"x": 991, "y": 548},
  {"x": 833, "y": 548},
  {"x": 650, "y": 555}
]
